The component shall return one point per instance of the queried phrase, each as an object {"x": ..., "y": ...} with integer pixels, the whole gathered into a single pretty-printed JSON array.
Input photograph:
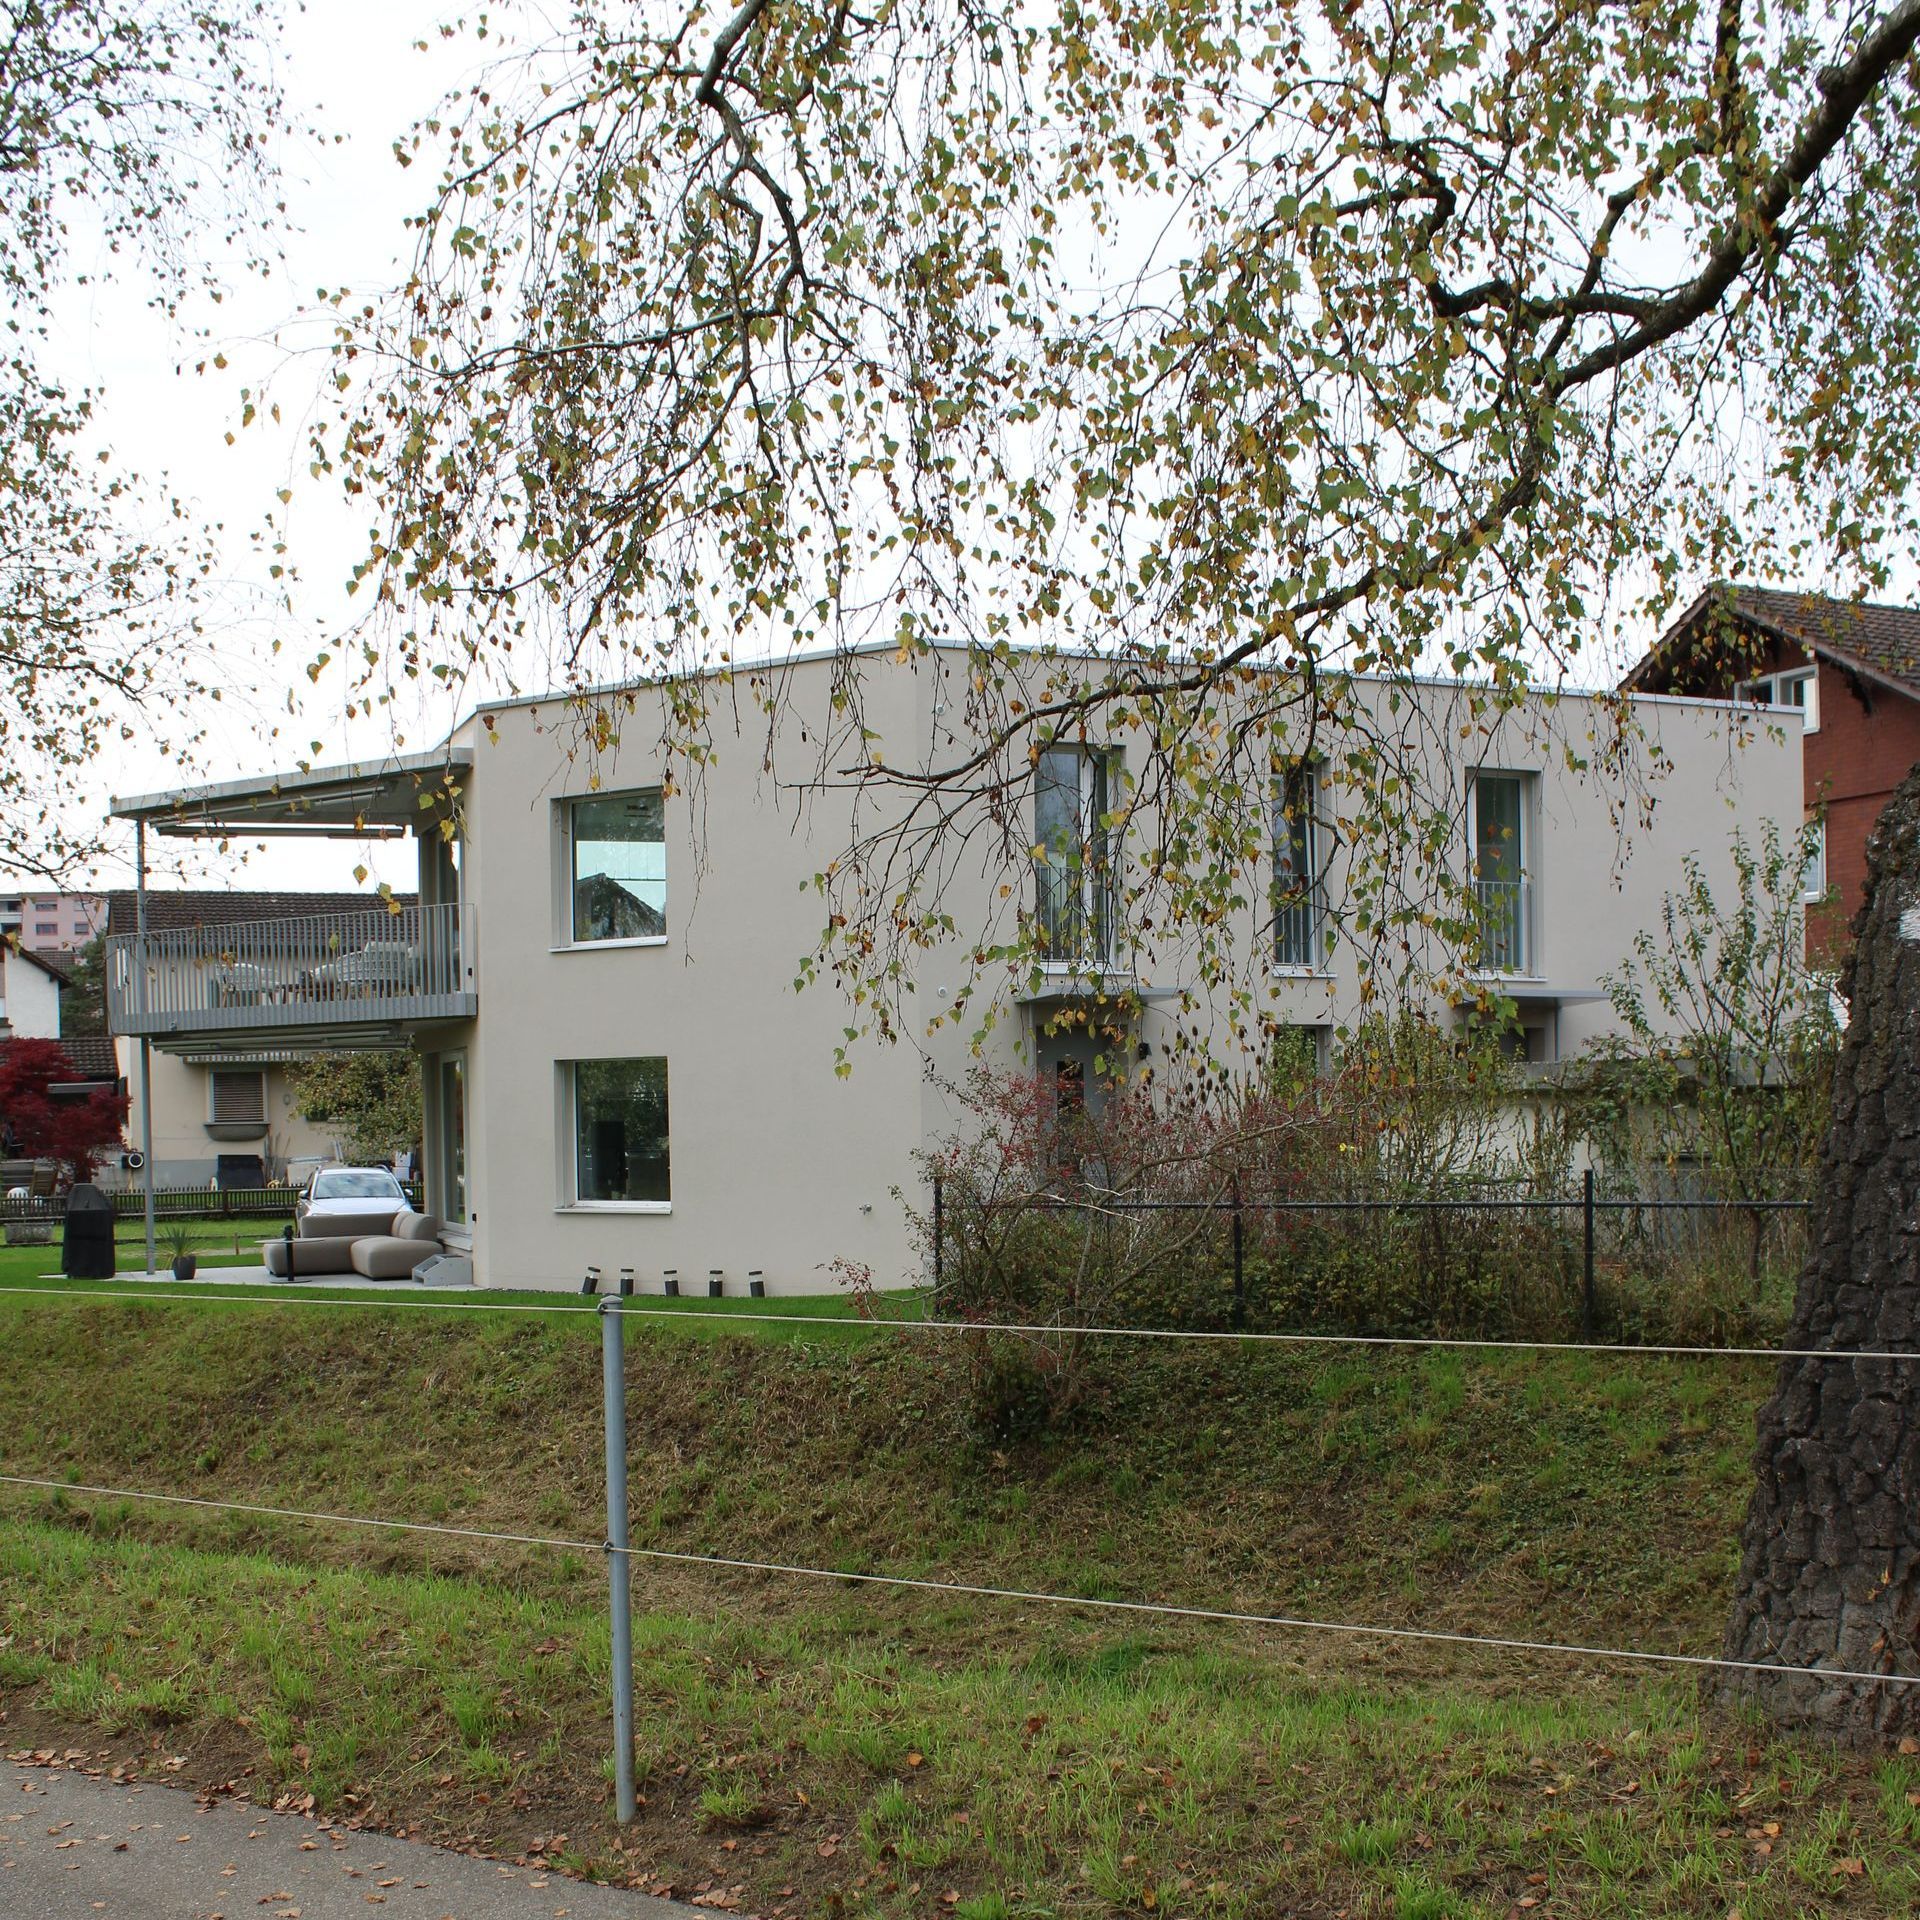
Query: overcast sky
[{"x": 351, "y": 68}]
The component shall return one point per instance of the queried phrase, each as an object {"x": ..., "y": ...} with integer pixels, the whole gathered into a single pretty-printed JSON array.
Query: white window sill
[
  {"x": 615, "y": 1206},
  {"x": 601, "y": 946},
  {"x": 1280, "y": 971}
]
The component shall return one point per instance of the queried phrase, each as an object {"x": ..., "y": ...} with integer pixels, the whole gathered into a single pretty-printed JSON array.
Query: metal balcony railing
[
  {"x": 338, "y": 970},
  {"x": 1296, "y": 932},
  {"x": 1505, "y": 907}
]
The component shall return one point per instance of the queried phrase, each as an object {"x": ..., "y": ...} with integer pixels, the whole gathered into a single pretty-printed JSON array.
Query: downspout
[{"x": 146, "y": 1043}]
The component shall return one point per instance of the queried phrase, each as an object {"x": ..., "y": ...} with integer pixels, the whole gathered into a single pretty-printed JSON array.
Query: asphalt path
[{"x": 73, "y": 1847}]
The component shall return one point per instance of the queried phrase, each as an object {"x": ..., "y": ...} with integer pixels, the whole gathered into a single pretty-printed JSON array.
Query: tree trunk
[{"x": 1830, "y": 1561}]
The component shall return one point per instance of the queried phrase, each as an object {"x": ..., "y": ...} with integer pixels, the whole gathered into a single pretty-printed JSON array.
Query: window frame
[
  {"x": 566, "y": 939},
  {"x": 568, "y": 1136},
  {"x": 1098, "y": 878},
  {"x": 1313, "y": 896},
  {"x": 1526, "y": 962},
  {"x": 1812, "y": 895},
  {"x": 1766, "y": 689}
]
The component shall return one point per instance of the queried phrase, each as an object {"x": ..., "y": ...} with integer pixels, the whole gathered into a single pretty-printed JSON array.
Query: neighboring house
[
  {"x": 1849, "y": 672},
  {"x": 30, "y": 988},
  {"x": 59, "y": 921},
  {"x": 598, "y": 973},
  {"x": 226, "y": 1116},
  {"x": 91, "y": 1056}
]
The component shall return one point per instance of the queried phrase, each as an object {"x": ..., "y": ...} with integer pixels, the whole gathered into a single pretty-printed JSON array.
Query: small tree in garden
[
  {"x": 74, "y": 1129},
  {"x": 372, "y": 1100},
  {"x": 1731, "y": 1040}
]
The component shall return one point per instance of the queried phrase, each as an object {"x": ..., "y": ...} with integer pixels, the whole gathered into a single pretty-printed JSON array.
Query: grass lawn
[{"x": 814, "y": 1748}]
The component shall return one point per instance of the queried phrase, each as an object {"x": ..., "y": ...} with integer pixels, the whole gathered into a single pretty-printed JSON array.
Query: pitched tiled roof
[
  {"x": 1871, "y": 637},
  {"x": 219, "y": 907},
  {"x": 48, "y": 962},
  {"x": 91, "y": 1053}
]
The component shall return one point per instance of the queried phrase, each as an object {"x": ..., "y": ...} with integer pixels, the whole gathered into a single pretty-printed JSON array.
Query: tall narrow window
[
  {"x": 1500, "y": 870},
  {"x": 620, "y": 1133},
  {"x": 453, "y": 1136},
  {"x": 1077, "y": 861},
  {"x": 1297, "y": 870},
  {"x": 619, "y": 855},
  {"x": 1813, "y": 883}
]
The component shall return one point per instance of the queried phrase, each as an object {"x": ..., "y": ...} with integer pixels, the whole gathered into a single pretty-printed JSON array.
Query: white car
[{"x": 350, "y": 1190}]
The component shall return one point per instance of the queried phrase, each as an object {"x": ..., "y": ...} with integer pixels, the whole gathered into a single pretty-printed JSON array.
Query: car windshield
[{"x": 356, "y": 1183}]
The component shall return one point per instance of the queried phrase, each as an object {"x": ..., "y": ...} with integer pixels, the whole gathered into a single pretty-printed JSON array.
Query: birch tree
[{"x": 132, "y": 142}]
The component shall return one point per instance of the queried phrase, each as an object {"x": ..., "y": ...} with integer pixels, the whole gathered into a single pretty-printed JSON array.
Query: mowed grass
[{"x": 810, "y": 1746}]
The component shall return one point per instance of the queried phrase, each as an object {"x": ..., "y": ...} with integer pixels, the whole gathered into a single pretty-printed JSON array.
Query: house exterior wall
[
  {"x": 778, "y": 1163},
  {"x": 185, "y": 1153},
  {"x": 56, "y": 920},
  {"x": 29, "y": 999},
  {"x": 1867, "y": 741}
]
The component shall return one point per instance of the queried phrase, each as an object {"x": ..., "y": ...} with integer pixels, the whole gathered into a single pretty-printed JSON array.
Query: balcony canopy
[{"x": 372, "y": 799}]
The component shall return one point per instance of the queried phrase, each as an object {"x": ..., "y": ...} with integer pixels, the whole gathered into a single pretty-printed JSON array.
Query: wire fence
[{"x": 612, "y": 1314}]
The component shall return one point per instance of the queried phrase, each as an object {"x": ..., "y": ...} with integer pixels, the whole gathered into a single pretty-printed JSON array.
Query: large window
[
  {"x": 1298, "y": 870},
  {"x": 618, "y": 852},
  {"x": 1798, "y": 688},
  {"x": 620, "y": 1154},
  {"x": 1077, "y": 857},
  {"x": 1500, "y": 872}
]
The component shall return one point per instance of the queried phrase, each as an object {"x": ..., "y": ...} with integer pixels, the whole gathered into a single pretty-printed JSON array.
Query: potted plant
[{"x": 186, "y": 1262}]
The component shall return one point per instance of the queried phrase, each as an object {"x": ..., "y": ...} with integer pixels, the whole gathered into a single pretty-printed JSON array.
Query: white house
[
  {"x": 598, "y": 973},
  {"x": 30, "y": 988}
]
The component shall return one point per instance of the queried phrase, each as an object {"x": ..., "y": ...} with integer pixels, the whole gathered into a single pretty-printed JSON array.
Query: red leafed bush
[{"x": 74, "y": 1129}]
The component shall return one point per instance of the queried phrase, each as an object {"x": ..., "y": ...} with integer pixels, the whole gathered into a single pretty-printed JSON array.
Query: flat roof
[{"x": 364, "y": 797}]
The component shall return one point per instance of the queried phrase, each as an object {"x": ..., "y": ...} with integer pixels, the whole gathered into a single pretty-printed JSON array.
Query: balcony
[
  {"x": 1505, "y": 908},
  {"x": 1296, "y": 933},
  {"x": 346, "y": 980}
]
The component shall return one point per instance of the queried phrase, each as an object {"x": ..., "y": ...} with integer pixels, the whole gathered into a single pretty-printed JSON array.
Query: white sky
[{"x": 351, "y": 68}]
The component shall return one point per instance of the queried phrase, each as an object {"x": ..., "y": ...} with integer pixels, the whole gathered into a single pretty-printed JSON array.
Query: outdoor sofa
[{"x": 379, "y": 1245}]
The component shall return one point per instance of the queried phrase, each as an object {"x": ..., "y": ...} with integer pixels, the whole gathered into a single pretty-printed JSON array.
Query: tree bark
[{"x": 1830, "y": 1562}]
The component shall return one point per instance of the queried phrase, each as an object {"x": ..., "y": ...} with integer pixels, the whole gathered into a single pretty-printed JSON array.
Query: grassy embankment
[{"x": 810, "y": 1747}]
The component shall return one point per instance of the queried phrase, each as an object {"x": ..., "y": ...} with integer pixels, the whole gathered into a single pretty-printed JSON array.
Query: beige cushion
[
  {"x": 346, "y": 1226},
  {"x": 384, "y": 1256},
  {"x": 416, "y": 1226},
  {"x": 331, "y": 1255}
]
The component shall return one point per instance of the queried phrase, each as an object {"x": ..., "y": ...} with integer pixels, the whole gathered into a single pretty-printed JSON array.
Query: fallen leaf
[{"x": 1853, "y": 1869}]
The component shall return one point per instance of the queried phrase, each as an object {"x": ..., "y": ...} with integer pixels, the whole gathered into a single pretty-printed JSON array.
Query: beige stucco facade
[
  {"x": 190, "y": 1136},
  {"x": 781, "y": 1167},
  {"x": 775, "y": 1164}
]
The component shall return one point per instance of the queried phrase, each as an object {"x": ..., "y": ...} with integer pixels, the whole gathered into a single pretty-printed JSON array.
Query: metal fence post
[
  {"x": 1589, "y": 1304},
  {"x": 1239, "y": 1262},
  {"x": 938, "y": 1235},
  {"x": 613, "y": 1368}
]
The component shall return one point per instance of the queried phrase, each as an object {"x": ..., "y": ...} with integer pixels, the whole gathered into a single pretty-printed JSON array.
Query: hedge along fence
[
  {"x": 181, "y": 1203},
  {"x": 1591, "y": 1264},
  {"x": 1396, "y": 1196}
]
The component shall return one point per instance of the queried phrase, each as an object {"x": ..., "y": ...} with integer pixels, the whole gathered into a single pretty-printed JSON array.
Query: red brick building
[{"x": 1852, "y": 668}]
